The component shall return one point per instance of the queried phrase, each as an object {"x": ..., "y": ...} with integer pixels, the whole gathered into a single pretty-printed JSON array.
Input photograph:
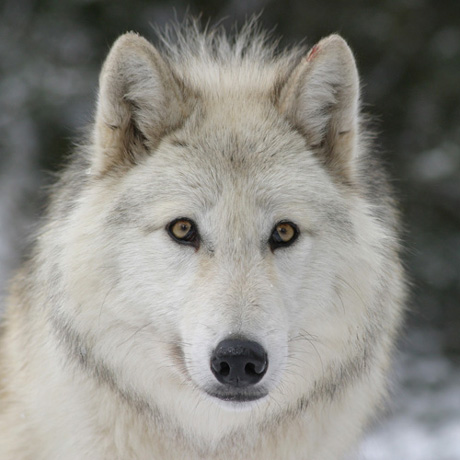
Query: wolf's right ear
[{"x": 139, "y": 101}]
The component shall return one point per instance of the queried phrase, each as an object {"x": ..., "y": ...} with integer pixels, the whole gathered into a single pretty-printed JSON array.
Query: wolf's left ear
[
  {"x": 139, "y": 101},
  {"x": 321, "y": 99}
]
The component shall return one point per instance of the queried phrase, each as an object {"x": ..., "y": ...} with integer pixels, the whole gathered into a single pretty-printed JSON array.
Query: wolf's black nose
[{"x": 239, "y": 363}]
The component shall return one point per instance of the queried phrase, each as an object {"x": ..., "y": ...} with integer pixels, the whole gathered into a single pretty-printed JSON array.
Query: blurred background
[{"x": 408, "y": 53}]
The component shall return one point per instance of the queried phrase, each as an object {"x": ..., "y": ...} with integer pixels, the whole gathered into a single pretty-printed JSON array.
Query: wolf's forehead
[
  {"x": 221, "y": 165},
  {"x": 237, "y": 148},
  {"x": 246, "y": 128},
  {"x": 238, "y": 152}
]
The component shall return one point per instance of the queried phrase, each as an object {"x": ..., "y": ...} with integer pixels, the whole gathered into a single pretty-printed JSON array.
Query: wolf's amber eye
[
  {"x": 284, "y": 234},
  {"x": 183, "y": 231}
]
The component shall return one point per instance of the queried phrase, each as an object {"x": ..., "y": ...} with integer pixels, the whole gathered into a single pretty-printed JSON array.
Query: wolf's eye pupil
[
  {"x": 284, "y": 234},
  {"x": 183, "y": 231}
]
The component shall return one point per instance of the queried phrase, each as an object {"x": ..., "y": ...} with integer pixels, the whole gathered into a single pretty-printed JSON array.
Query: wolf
[{"x": 218, "y": 273}]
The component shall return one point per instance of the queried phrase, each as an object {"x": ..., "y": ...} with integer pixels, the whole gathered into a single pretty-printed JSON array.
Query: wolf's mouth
[{"x": 240, "y": 396}]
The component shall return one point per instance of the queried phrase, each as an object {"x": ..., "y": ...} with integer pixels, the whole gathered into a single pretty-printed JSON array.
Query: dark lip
[{"x": 237, "y": 397}]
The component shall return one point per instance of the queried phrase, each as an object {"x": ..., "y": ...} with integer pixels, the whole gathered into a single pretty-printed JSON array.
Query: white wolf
[{"x": 217, "y": 276}]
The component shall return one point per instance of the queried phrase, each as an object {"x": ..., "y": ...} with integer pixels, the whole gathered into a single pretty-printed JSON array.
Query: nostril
[
  {"x": 250, "y": 369},
  {"x": 239, "y": 363},
  {"x": 224, "y": 369}
]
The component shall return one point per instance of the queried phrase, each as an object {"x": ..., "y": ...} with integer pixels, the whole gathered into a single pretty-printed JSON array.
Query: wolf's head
[{"x": 224, "y": 252}]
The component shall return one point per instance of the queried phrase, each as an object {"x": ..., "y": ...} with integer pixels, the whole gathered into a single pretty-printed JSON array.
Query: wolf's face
[
  {"x": 216, "y": 250},
  {"x": 218, "y": 239},
  {"x": 228, "y": 232}
]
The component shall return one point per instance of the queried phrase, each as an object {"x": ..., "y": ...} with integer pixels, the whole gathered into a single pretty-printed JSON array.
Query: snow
[{"x": 424, "y": 423}]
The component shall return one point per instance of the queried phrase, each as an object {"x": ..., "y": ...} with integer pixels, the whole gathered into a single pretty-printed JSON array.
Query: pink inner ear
[{"x": 313, "y": 52}]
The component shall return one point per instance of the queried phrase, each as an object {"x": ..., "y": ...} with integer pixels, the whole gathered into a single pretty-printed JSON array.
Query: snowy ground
[{"x": 424, "y": 423}]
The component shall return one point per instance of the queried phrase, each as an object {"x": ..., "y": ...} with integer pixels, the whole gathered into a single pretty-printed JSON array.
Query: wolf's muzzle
[{"x": 239, "y": 363}]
